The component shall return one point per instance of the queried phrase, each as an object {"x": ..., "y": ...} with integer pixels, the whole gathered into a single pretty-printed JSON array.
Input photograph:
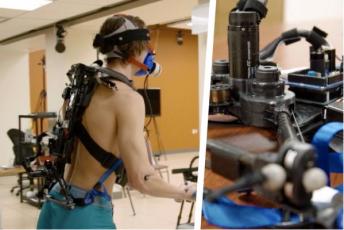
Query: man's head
[
  {"x": 121, "y": 54},
  {"x": 124, "y": 40}
]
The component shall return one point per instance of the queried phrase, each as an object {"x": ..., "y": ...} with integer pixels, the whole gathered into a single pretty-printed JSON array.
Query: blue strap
[
  {"x": 109, "y": 171},
  {"x": 329, "y": 162},
  {"x": 227, "y": 214},
  {"x": 89, "y": 198},
  {"x": 336, "y": 162}
]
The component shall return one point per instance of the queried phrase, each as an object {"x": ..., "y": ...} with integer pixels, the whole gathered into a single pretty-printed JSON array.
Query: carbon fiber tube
[
  {"x": 229, "y": 161},
  {"x": 243, "y": 44}
]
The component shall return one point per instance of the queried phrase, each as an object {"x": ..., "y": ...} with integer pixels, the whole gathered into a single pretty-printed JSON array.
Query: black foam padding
[
  {"x": 315, "y": 39},
  {"x": 256, "y": 6},
  {"x": 290, "y": 34},
  {"x": 319, "y": 31},
  {"x": 291, "y": 40},
  {"x": 121, "y": 38},
  {"x": 240, "y": 5}
]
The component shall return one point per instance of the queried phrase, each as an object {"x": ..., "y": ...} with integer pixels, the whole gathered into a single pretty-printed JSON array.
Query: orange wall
[
  {"x": 179, "y": 90},
  {"x": 37, "y": 104},
  {"x": 36, "y": 80}
]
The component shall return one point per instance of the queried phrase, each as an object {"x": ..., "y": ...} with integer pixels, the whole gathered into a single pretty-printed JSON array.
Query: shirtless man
[{"x": 115, "y": 121}]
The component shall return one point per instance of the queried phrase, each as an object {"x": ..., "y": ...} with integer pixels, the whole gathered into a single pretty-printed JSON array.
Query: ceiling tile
[
  {"x": 154, "y": 13},
  {"x": 59, "y": 10},
  {"x": 93, "y": 2},
  {"x": 17, "y": 25},
  {"x": 9, "y": 13},
  {"x": 3, "y": 19},
  {"x": 160, "y": 12}
]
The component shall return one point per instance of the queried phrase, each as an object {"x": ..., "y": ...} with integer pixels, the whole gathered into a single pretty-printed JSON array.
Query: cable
[
  {"x": 191, "y": 165},
  {"x": 160, "y": 144},
  {"x": 145, "y": 87},
  {"x": 298, "y": 127},
  {"x": 152, "y": 118},
  {"x": 193, "y": 161}
]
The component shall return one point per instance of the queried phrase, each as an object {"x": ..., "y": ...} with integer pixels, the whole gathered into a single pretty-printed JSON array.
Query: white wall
[
  {"x": 304, "y": 14},
  {"x": 14, "y": 97},
  {"x": 296, "y": 11},
  {"x": 202, "y": 44},
  {"x": 78, "y": 50}
]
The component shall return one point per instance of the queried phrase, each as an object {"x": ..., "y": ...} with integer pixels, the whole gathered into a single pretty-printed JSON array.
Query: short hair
[{"x": 128, "y": 50}]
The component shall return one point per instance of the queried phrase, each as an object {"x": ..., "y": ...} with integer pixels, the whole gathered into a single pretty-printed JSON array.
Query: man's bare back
[{"x": 100, "y": 120}]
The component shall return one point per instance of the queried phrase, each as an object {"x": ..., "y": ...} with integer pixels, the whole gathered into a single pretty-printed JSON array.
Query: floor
[{"x": 151, "y": 212}]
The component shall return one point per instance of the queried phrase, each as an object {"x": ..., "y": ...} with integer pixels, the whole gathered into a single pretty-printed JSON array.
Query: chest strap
[{"x": 105, "y": 158}]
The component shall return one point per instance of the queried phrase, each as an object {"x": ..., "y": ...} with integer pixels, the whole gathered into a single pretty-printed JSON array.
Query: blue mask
[{"x": 153, "y": 68}]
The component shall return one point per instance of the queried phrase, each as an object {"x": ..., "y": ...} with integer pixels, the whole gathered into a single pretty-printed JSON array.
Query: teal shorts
[{"x": 98, "y": 215}]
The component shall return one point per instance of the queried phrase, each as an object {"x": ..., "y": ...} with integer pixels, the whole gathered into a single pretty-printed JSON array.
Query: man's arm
[{"x": 141, "y": 175}]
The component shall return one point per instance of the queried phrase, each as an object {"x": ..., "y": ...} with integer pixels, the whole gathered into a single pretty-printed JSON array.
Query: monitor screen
[{"x": 154, "y": 98}]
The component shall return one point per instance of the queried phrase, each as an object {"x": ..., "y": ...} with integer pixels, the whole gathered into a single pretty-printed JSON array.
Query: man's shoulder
[{"x": 128, "y": 97}]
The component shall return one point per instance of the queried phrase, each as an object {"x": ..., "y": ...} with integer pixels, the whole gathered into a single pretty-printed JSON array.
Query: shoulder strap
[
  {"x": 106, "y": 159},
  {"x": 109, "y": 73}
]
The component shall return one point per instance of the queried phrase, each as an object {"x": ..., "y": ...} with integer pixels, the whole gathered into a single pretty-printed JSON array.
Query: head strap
[
  {"x": 121, "y": 38},
  {"x": 127, "y": 32}
]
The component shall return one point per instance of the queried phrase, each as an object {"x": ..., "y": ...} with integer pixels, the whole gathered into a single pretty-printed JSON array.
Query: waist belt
[{"x": 82, "y": 197}]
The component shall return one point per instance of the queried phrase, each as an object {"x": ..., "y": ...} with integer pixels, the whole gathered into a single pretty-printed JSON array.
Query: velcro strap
[
  {"x": 316, "y": 37},
  {"x": 290, "y": 34},
  {"x": 121, "y": 38},
  {"x": 291, "y": 40},
  {"x": 106, "y": 159},
  {"x": 319, "y": 31}
]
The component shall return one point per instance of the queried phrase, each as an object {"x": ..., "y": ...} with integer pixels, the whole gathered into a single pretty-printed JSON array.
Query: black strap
[
  {"x": 109, "y": 73},
  {"x": 121, "y": 38},
  {"x": 79, "y": 201},
  {"x": 106, "y": 159},
  {"x": 316, "y": 37},
  {"x": 290, "y": 34}
]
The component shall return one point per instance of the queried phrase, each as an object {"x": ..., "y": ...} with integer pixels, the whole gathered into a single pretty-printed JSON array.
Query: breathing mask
[{"x": 150, "y": 67}]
